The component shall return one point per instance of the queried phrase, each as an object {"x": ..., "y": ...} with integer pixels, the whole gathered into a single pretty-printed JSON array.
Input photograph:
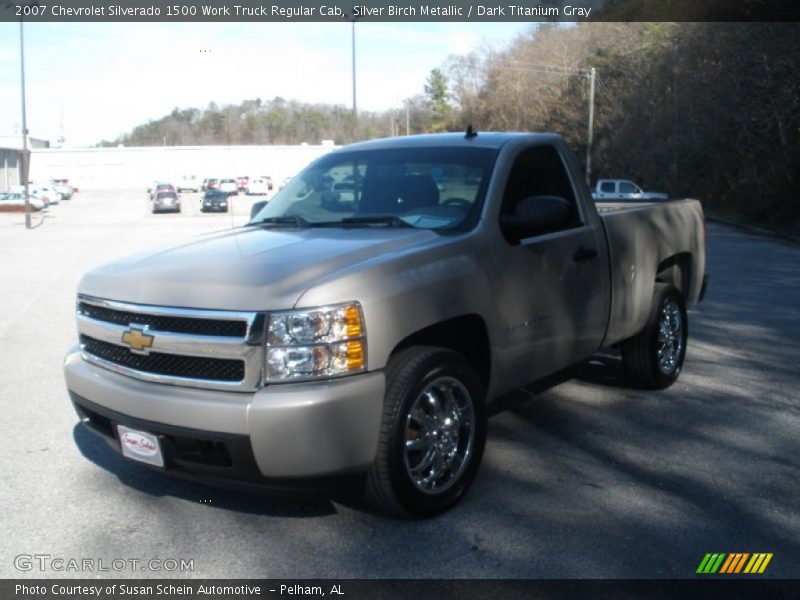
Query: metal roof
[{"x": 482, "y": 140}]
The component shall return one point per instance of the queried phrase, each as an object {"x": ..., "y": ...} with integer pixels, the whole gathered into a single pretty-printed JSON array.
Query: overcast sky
[{"x": 107, "y": 78}]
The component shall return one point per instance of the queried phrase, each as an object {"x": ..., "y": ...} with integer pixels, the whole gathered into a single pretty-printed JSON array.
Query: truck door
[
  {"x": 552, "y": 286},
  {"x": 629, "y": 191},
  {"x": 608, "y": 189}
]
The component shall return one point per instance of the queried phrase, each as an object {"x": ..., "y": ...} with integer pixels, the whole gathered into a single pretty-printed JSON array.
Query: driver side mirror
[
  {"x": 537, "y": 215},
  {"x": 256, "y": 208}
]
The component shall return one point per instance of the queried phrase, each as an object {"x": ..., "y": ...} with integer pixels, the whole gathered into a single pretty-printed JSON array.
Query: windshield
[{"x": 429, "y": 188}]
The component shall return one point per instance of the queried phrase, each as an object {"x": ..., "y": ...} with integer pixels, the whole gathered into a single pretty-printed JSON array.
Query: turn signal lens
[{"x": 355, "y": 356}]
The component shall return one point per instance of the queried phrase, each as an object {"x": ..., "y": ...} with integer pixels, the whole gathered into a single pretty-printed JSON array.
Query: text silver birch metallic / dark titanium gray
[{"x": 358, "y": 329}]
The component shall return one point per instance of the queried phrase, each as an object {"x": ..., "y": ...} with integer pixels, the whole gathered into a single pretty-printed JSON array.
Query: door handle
[{"x": 584, "y": 254}]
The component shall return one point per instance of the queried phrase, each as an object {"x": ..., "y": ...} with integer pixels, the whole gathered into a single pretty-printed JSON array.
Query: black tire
[
  {"x": 390, "y": 486},
  {"x": 640, "y": 354}
]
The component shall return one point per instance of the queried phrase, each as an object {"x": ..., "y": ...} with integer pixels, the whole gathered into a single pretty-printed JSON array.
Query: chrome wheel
[
  {"x": 669, "y": 342},
  {"x": 439, "y": 435}
]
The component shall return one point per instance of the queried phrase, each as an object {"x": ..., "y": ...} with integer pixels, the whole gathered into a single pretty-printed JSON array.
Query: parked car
[
  {"x": 188, "y": 183},
  {"x": 65, "y": 182},
  {"x": 15, "y": 202},
  {"x": 622, "y": 189},
  {"x": 257, "y": 186},
  {"x": 46, "y": 194},
  {"x": 228, "y": 186},
  {"x": 214, "y": 201},
  {"x": 241, "y": 182},
  {"x": 160, "y": 186},
  {"x": 376, "y": 343},
  {"x": 166, "y": 201},
  {"x": 62, "y": 187}
]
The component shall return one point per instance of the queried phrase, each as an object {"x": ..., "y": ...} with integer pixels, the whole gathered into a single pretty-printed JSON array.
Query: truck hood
[{"x": 250, "y": 268}]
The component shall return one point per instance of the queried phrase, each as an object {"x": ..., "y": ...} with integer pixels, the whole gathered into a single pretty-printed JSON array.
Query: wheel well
[
  {"x": 676, "y": 270},
  {"x": 466, "y": 335}
]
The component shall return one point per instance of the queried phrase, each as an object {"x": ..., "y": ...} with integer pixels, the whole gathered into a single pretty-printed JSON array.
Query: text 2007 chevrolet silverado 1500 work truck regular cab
[{"x": 366, "y": 332}]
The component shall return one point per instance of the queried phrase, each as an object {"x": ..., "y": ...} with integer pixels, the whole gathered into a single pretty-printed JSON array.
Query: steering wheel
[{"x": 458, "y": 203}]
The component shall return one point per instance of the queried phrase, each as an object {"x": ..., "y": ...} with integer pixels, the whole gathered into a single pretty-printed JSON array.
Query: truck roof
[{"x": 429, "y": 140}]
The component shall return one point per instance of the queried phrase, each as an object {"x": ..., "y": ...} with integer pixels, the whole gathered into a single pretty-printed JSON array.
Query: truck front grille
[
  {"x": 212, "y": 349},
  {"x": 174, "y": 324},
  {"x": 193, "y": 367}
]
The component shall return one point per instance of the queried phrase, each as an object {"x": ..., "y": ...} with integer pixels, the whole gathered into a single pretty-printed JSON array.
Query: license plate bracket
[{"x": 140, "y": 446}]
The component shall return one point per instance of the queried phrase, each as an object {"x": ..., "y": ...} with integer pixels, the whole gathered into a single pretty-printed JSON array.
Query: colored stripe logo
[{"x": 732, "y": 563}]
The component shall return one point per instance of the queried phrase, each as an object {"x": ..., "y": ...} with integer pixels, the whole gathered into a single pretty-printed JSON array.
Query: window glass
[
  {"x": 626, "y": 187},
  {"x": 607, "y": 187},
  {"x": 537, "y": 171},
  {"x": 431, "y": 188}
]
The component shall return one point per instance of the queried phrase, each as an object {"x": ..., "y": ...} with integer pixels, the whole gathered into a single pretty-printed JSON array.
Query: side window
[
  {"x": 537, "y": 171},
  {"x": 626, "y": 187},
  {"x": 607, "y": 187},
  {"x": 538, "y": 198}
]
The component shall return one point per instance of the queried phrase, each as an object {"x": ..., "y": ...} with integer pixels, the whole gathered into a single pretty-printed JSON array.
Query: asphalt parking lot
[{"x": 586, "y": 479}]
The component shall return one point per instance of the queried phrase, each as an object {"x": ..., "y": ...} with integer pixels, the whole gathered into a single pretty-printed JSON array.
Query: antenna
[{"x": 471, "y": 133}]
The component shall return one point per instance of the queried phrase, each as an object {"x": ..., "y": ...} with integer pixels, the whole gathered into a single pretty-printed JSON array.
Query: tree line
[{"x": 707, "y": 110}]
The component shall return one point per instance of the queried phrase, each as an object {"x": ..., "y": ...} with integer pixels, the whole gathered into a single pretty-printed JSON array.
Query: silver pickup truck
[{"x": 360, "y": 327}]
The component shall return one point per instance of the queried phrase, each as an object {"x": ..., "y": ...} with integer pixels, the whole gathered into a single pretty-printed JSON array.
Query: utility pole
[
  {"x": 25, "y": 154},
  {"x": 590, "y": 135},
  {"x": 408, "y": 118},
  {"x": 355, "y": 106}
]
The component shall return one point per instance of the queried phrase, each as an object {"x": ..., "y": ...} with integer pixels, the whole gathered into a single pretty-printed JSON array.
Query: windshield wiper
[
  {"x": 295, "y": 220},
  {"x": 391, "y": 220}
]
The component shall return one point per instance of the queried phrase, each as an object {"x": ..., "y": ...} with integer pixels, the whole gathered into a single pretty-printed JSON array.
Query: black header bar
[{"x": 396, "y": 10}]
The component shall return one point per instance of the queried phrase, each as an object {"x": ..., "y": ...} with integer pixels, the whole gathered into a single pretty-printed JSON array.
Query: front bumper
[{"x": 281, "y": 432}]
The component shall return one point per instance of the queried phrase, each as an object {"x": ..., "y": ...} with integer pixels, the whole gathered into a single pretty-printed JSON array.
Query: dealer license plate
[{"x": 140, "y": 445}]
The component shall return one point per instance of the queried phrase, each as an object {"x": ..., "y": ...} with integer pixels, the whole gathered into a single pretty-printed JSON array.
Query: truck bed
[{"x": 647, "y": 241}]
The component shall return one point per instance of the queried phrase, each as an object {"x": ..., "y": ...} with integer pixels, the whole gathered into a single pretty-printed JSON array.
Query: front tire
[
  {"x": 653, "y": 358},
  {"x": 432, "y": 435}
]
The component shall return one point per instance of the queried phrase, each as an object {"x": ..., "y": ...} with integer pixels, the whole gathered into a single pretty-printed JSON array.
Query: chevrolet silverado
[{"x": 365, "y": 321}]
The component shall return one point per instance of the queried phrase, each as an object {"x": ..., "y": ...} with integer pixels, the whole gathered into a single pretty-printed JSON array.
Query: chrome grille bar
[{"x": 247, "y": 348}]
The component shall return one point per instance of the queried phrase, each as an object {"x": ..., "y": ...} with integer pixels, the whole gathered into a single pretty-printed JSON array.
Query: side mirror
[
  {"x": 256, "y": 208},
  {"x": 537, "y": 215}
]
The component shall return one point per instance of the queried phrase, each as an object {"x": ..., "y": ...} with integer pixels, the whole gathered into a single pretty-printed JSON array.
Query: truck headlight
[{"x": 316, "y": 343}]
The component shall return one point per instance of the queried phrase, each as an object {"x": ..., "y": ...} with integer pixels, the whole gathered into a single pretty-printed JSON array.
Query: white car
[
  {"x": 189, "y": 183},
  {"x": 47, "y": 195},
  {"x": 228, "y": 185},
  {"x": 257, "y": 186},
  {"x": 63, "y": 187}
]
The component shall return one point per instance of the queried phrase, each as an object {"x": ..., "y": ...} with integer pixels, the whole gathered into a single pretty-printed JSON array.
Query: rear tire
[
  {"x": 653, "y": 358},
  {"x": 432, "y": 434}
]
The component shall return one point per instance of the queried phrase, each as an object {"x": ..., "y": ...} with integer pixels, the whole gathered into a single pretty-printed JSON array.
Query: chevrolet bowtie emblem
[{"x": 137, "y": 338}]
